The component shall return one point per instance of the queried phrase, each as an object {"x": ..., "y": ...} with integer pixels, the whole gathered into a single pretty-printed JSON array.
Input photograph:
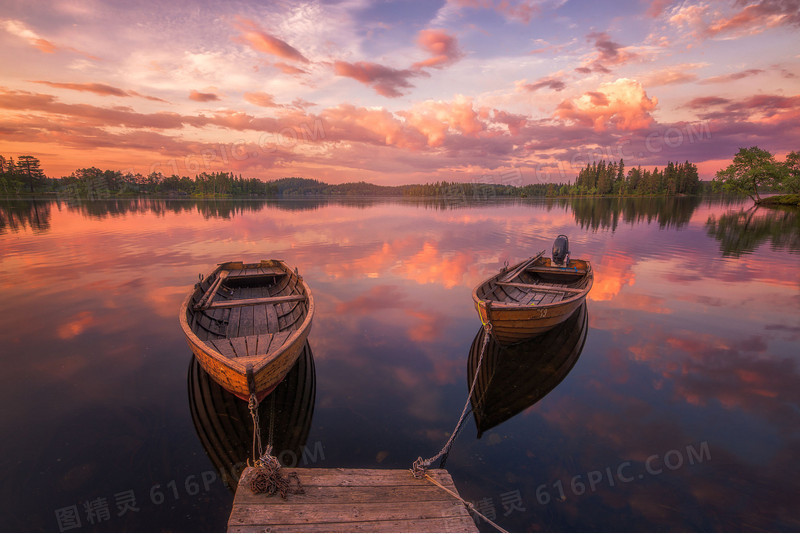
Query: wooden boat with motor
[
  {"x": 534, "y": 295},
  {"x": 247, "y": 324}
]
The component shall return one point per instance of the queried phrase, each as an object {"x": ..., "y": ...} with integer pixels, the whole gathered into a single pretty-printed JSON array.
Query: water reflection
[
  {"x": 589, "y": 213},
  {"x": 741, "y": 232},
  {"x": 607, "y": 213},
  {"x": 225, "y": 426},
  {"x": 512, "y": 379},
  {"x": 17, "y": 215}
]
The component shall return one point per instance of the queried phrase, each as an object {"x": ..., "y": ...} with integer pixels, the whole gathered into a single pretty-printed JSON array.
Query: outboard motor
[{"x": 561, "y": 250}]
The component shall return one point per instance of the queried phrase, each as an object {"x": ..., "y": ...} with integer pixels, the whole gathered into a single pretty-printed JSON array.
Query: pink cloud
[
  {"x": 203, "y": 97},
  {"x": 520, "y": 10},
  {"x": 98, "y": 89},
  {"x": 551, "y": 82},
  {"x": 288, "y": 69},
  {"x": 434, "y": 119},
  {"x": 727, "y": 78},
  {"x": 443, "y": 48},
  {"x": 622, "y": 103},
  {"x": 608, "y": 53},
  {"x": 21, "y": 30},
  {"x": 755, "y": 18},
  {"x": 751, "y": 19},
  {"x": 385, "y": 80},
  {"x": 263, "y": 42},
  {"x": 261, "y": 99}
]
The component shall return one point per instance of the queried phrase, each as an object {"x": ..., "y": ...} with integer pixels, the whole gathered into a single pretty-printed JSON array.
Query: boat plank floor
[
  {"x": 239, "y": 346},
  {"x": 353, "y": 500},
  {"x": 224, "y": 347}
]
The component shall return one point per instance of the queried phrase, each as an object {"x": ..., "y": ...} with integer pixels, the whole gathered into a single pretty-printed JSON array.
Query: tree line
[
  {"x": 752, "y": 169},
  {"x": 611, "y": 179}
]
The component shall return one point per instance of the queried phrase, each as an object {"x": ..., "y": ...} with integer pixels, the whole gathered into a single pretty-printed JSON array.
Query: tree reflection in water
[{"x": 741, "y": 232}]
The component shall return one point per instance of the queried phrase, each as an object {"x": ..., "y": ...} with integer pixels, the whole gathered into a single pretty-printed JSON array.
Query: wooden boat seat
[
  {"x": 258, "y": 271},
  {"x": 236, "y": 303},
  {"x": 559, "y": 270},
  {"x": 542, "y": 289}
]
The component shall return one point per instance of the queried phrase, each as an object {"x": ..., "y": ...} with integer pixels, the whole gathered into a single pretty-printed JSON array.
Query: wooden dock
[{"x": 353, "y": 500}]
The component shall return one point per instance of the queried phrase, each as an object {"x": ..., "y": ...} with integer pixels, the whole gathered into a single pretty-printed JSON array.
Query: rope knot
[{"x": 418, "y": 467}]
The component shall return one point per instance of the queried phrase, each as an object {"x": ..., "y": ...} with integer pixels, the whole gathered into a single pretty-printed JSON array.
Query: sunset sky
[{"x": 500, "y": 91}]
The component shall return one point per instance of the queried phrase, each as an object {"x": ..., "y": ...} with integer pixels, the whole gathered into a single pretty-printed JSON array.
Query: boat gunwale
[{"x": 265, "y": 359}]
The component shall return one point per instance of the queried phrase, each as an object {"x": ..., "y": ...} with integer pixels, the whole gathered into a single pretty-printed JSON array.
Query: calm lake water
[{"x": 680, "y": 410}]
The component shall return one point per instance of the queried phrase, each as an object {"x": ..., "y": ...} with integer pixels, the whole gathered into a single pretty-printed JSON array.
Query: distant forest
[{"x": 25, "y": 176}]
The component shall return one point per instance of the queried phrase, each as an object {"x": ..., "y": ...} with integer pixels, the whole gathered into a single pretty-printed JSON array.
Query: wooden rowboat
[
  {"x": 247, "y": 323},
  {"x": 225, "y": 426},
  {"x": 512, "y": 379},
  {"x": 531, "y": 297}
]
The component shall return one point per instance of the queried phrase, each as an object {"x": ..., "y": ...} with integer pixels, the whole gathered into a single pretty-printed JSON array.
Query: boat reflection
[
  {"x": 225, "y": 427},
  {"x": 514, "y": 378}
]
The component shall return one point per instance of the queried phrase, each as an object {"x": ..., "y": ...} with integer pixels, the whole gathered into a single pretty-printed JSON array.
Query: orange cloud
[
  {"x": 77, "y": 325},
  {"x": 443, "y": 48},
  {"x": 622, "y": 103},
  {"x": 203, "y": 97},
  {"x": 611, "y": 274},
  {"x": 261, "y": 99},
  {"x": 263, "y": 42},
  {"x": 431, "y": 266},
  {"x": 19, "y": 29},
  {"x": 434, "y": 119},
  {"x": 98, "y": 89}
]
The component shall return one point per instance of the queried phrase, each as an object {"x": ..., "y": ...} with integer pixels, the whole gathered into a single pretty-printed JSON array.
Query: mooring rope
[
  {"x": 419, "y": 466},
  {"x": 267, "y": 477},
  {"x": 468, "y": 504}
]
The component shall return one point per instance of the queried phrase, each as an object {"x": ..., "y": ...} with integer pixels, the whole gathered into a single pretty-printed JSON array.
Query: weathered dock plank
[{"x": 353, "y": 500}]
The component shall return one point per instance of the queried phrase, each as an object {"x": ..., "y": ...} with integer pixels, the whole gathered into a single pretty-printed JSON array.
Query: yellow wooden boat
[{"x": 247, "y": 324}]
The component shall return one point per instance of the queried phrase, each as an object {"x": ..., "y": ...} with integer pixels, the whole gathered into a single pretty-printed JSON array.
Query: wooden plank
[
  {"x": 558, "y": 270},
  {"x": 264, "y": 341},
  {"x": 310, "y": 513},
  {"x": 260, "y": 319},
  {"x": 272, "y": 319},
  {"x": 224, "y": 347},
  {"x": 543, "y": 288},
  {"x": 353, "y": 500},
  {"x": 279, "y": 339},
  {"x": 239, "y": 346},
  {"x": 252, "y": 345},
  {"x": 233, "y": 322},
  {"x": 418, "y": 525},
  {"x": 233, "y": 303},
  {"x": 246, "y": 322}
]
